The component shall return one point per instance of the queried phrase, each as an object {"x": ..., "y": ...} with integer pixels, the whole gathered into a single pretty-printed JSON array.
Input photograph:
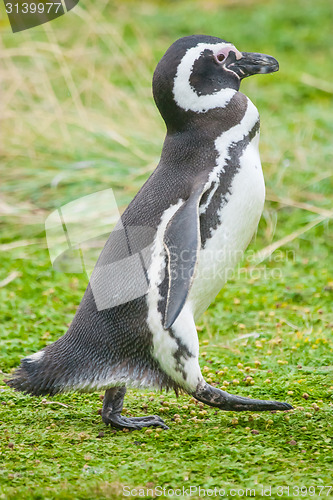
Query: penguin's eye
[{"x": 220, "y": 57}]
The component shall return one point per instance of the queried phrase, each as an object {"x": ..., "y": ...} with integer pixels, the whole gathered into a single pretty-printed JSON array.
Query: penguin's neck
[
  {"x": 183, "y": 146},
  {"x": 220, "y": 118}
]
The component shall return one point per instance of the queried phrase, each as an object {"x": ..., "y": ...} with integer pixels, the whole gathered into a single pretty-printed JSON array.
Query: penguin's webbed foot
[
  {"x": 134, "y": 423},
  {"x": 229, "y": 402},
  {"x": 111, "y": 413}
]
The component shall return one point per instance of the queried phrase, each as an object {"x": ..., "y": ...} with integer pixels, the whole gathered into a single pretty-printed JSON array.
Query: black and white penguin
[{"x": 174, "y": 245}]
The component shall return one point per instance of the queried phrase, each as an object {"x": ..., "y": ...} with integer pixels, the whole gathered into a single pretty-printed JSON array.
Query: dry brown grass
[{"x": 78, "y": 116}]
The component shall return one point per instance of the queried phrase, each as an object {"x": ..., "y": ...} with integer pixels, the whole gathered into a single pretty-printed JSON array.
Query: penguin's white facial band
[{"x": 185, "y": 95}]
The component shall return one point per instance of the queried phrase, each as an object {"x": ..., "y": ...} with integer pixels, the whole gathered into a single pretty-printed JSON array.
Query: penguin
[{"x": 173, "y": 247}]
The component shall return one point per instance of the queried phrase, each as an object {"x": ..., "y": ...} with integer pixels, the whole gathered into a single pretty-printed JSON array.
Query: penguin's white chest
[{"x": 238, "y": 220}]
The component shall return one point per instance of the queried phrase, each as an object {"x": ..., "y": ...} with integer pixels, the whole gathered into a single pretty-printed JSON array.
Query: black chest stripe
[{"x": 209, "y": 220}]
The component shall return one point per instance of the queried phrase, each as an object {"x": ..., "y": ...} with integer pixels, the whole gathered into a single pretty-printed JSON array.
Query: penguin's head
[{"x": 199, "y": 73}]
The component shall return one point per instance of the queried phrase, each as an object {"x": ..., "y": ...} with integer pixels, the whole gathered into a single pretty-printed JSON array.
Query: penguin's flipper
[{"x": 182, "y": 242}]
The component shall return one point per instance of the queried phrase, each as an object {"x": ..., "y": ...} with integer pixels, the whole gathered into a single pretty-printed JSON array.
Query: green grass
[{"x": 78, "y": 117}]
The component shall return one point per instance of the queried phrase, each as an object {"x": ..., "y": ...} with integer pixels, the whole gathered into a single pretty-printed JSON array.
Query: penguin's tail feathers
[{"x": 34, "y": 377}]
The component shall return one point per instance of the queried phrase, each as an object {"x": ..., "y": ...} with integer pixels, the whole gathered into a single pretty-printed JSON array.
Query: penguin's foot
[
  {"x": 111, "y": 413},
  {"x": 135, "y": 423},
  {"x": 229, "y": 402}
]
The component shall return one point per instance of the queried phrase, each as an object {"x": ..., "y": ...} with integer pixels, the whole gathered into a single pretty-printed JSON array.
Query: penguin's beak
[{"x": 252, "y": 63}]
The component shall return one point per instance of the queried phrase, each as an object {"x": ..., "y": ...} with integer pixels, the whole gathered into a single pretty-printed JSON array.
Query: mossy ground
[{"x": 79, "y": 118}]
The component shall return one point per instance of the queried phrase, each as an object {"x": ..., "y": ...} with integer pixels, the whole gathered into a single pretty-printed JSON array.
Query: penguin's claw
[
  {"x": 133, "y": 423},
  {"x": 153, "y": 420}
]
